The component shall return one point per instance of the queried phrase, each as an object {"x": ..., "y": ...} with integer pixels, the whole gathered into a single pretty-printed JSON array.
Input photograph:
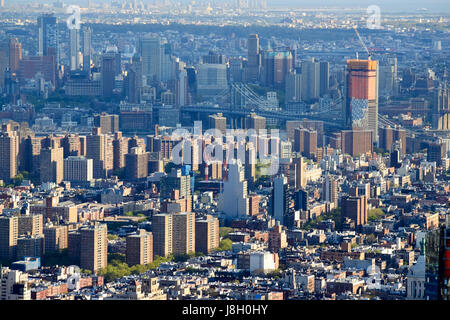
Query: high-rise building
[
  {"x": 108, "y": 74},
  {"x": 78, "y": 169},
  {"x": 56, "y": 238},
  {"x": 48, "y": 36},
  {"x": 276, "y": 66},
  {"x": 300, "y": 172},
  {"x": 182, "y": 89},
  {"x": 30, "y": 246},
  {"x": 219, "y": 122},
  {"x": 354, "y": 142},
  {"x": 176, "y": 180},
  {"x": 74, "y": 57},
  {"x": 277, "y": 238},
  {"x": 207, "y": 234},
  {"x": 301, "y": 200},
  {"x": 435, "y": 153},
  {"x": 52, "y": 165},
  {"x": 183, "y": 232},
  {"x": 15, "y": 54},
  {"x": 87, "y": 49},
  {"x": 133, "y": 84},
  {"x": 109, "y": 123},
  {"x": 437, "y": 266},
  {"x": 9, "y": 233},
  {"x": 305, "y": 142},
  {"x": 32, "y": 224},
  {"x": 150, "y": 50},
  {"x": 162, "y": 229},
  {"x": 139, "y": 248},
  {"x": 280, "y": 199},
  {"x": 14, "y": 285},
  {"x": 9, "y": 151},
  {"x": 233, "y": 201},
  {"x": 324, "y": 77},
  {"x": 255, "y": 122},
  {"x": 441, "y": 109},
  {"x": 93, "y": 247},
  {"x": 212, "y": 79},
  {"x": 293, "y": 87},
  {"x": 388, "y": 136},
  {"x": 136, "y": 164},
  {"x": 310, "y": 80},
  {"x": 330, "y": 190},
  {"x": 355, "y": 208},
  {"x": 253, "y": 67},
  {"x": 99, "y": 148},
  {"x": 4, "y": 62},
  {"x": 361, "y": 108},
  {"x": 120, "y": 149}
]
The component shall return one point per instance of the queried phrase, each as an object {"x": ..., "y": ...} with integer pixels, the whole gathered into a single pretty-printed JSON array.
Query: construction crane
[{"x": 363, "y": 44}]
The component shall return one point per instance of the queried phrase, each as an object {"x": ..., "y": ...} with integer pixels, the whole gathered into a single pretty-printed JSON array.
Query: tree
[
  {"x": 224, "y": 231},
  {"x": 225, "y": 245},
  {"x": 371, "y": 238},
  {"x": 374, "y": 214},
  {"x": 113, "y": 237}
]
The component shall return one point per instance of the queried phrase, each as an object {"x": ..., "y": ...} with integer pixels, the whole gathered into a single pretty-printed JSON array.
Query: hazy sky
[{"x": 385, "y": 5}]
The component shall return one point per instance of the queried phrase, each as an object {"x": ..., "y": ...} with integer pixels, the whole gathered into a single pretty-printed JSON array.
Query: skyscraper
[
  {"x": 78, "y": 169},
  {"x": 324, "y": 77},
  {"x": 87, "y": 40},
  {"x": 9, "y": 151},
  {"x": 219, "y": 122},
  {"x": 9, "y": 230},
  {"x": 136, "y": 164},
  {"x": 183, "y": 232},
  {"x": 15, "y": 54},
  {"x": 276, "y": 66},
  {"x": 99, "y": 148},
  {"x": 48, "y": 35},
  {"x": 293, "y": 87},
  {"x": 74, "y": 49},
  {"x": 108, "y": 74},
  {"x": 441, "y": 109},
  {"x": 109, "y": 123},
  {"x": 300, "y": 172},
  {"x": 233, "y": 201},
  {"x": 207, "y": 234},
  {"x": 255, "y": 122},
  {"x": 355, "y": 208},
  {"x": 162, "y": 234},
  {"x": 94, "y": 247},
  {"x": 310, "y": 80},
  {"x": 330, "y": 190},
  {"x": 254, "y": 59},
  {"x": 52, "y": 165},
  {"x": 361, "y": 108},
  {"x": 139, "y": 248},
  {"x": 280, "y": 199},
  {"x": 150, "y": 49}
]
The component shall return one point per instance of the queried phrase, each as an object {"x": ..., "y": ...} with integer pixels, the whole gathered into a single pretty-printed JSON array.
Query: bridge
[{"x": 241, "y": 100}]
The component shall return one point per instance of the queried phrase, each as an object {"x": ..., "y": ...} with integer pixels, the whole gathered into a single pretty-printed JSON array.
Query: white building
[
  {"x": 233, "y": 201},
  {"x": 262, "y": 262},
  {"x": 14, "y": 285},
  {"x": 415, "y": 284},
  {"x": 78, "y": 169}
]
